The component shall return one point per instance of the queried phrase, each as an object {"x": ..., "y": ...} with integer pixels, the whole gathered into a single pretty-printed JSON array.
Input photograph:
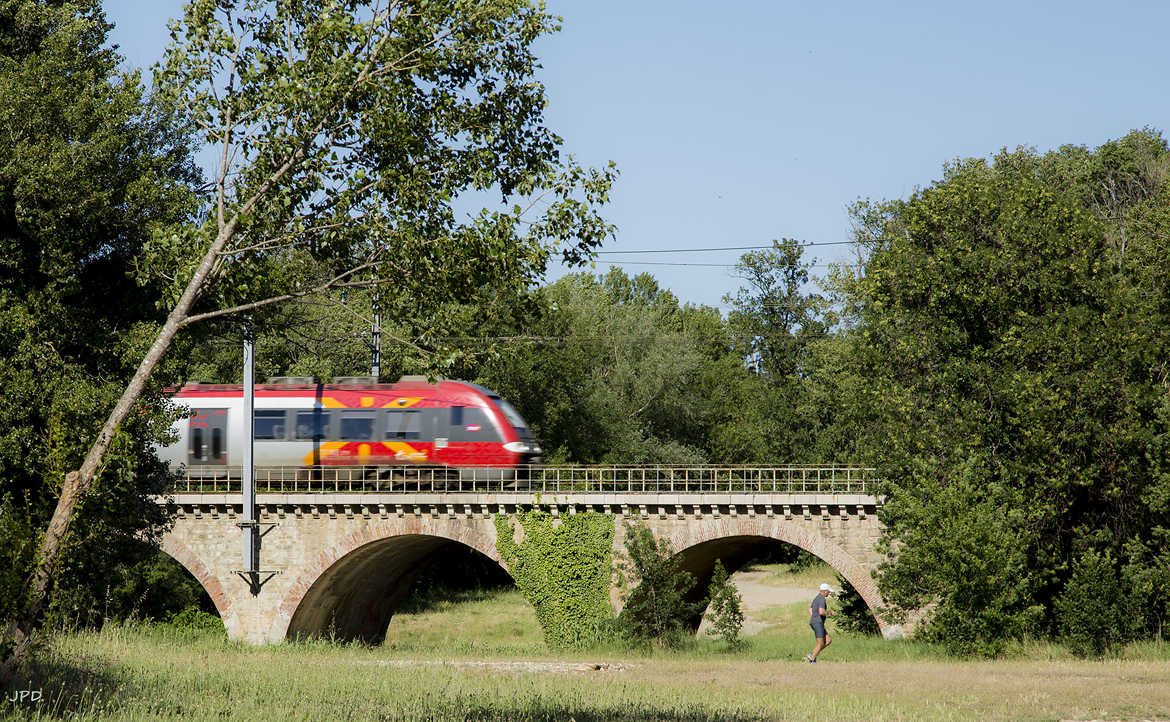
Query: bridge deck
[
  {"x": 525, "y": 499},
  {"x": 529, "y": 480}
]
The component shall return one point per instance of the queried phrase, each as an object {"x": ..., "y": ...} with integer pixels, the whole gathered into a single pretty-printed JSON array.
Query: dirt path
[{"x": 757, "y": 596}]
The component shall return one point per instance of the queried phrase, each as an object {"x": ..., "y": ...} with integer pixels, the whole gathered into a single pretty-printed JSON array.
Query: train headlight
[{"x": 521, "y": 447}]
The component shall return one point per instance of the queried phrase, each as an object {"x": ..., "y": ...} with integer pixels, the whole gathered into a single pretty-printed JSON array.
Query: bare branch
[{"x": 335, "y": 282}]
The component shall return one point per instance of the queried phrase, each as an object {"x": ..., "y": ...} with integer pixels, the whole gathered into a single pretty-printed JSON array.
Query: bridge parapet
[
  {"x": 542, "y": 479},
  {"x": 487, "y": 504}
]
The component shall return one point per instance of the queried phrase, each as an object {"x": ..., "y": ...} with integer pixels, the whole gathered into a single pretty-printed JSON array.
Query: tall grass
[
  {"x": 437, "y": 664},
  {"x": 142, "y": 672}
]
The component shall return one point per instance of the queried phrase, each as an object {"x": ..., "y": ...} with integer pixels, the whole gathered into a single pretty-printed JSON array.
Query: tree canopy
[
  {"x": 1011, "y": 326},
  {"x": 347, "y": 135},
  {"x": 88, "y": 163}
]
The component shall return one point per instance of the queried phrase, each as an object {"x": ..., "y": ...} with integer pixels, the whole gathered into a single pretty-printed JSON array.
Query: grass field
[{"x": 480, "y": 656}]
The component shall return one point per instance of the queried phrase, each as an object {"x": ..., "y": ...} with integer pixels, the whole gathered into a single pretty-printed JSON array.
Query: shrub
[
  {"x": 1087, "y": 609},
  {"x": 853, "y": 614},
  {"x": 656, "y": 608},
  {"x": 725, "y": 610},
  {"x": 194, "y": 619}
]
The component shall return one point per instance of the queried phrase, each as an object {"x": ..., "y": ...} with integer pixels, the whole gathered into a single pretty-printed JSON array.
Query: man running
[{"x": 817, "y": 612}]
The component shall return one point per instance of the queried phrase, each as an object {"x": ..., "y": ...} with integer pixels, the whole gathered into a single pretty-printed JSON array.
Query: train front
[{"x": 527, "y": 451}]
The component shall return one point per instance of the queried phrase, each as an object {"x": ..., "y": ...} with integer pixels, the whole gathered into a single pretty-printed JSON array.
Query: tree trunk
[{"x": 77, "y": 483}]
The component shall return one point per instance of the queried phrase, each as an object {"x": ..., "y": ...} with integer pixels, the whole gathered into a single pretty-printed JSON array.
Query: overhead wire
[
  {"x": 725, "y": 248},
  {"x": 707, "y": 265}
]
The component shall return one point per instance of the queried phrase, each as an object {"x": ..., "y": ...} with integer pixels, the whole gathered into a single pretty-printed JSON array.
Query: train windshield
[{"x": 513, "y": 416}]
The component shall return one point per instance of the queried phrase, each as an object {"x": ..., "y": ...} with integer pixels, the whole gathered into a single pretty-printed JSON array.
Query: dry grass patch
[
  {"x": 141, "y": 673},
  {"x": 811, "y": 575}
]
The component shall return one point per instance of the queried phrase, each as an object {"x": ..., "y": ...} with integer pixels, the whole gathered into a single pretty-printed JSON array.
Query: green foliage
[
  {"x": 349, "y": 137},
  {"x": 612, "y": 369},
  {"x": 853, "y": 614},
  {"x": 563, "y": 566},
  {"x": 724, "y": 609},
  {"x": 1091, "y": 609},
  {"x": 774, "y": 317},
  {"x": 196, "y": 621},
  {"x": 969, "y": 563},
  {"x": 141, "y": 582},
  {"x": 1010, "y": 326},
  {"x": 1146, "y": 581},
  {"x": 656, "y": 608},
  {"x": 88, "y": 164}
]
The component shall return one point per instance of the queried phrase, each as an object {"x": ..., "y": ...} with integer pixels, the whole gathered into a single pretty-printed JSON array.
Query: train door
[{"x": 208, "y": 437}]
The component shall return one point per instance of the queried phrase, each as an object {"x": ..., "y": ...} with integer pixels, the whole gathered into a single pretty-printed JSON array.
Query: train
[{"x": 354, "y": 422}]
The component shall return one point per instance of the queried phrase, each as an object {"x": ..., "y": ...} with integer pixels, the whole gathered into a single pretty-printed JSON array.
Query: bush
[
  {"x": 1087, "y": 609},
  {"x": 656, "y": 608},
  {"x": 725, "y": 610},
  {"x": 853, "y": 614},
  {"x": 194, "y": 619}
]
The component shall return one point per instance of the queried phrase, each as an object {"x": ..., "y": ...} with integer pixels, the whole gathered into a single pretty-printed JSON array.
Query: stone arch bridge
[{"x": 342, "y": 550}]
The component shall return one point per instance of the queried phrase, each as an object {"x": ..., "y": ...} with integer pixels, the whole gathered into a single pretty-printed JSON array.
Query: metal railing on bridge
[{"x": 543, "y": 479}]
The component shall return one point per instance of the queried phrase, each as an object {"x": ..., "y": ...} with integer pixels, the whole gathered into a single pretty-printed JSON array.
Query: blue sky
[{"x": 735, "y": 123}]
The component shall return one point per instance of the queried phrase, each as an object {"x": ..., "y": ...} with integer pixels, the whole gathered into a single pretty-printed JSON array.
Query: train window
[
  {"x": 404, "y": 425},
  {"x": 197, "y": 444},
  {"x": 312, "y": 424},
  {"x": 357, "y": 425},
  {"x": 216, "y": 443},
  {"x": 476, "y": 426},
  {"x": 269, "y": 423},
  {"x": 457, "y": 416},
  {"x": 514, "y": 417}
]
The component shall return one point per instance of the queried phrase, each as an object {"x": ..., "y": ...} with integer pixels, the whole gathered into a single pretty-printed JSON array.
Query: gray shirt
[{"x": 818, "y": 603}]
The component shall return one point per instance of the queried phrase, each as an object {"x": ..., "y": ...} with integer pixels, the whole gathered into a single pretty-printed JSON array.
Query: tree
[
  {"x": 778, "y": 324},
  {"x": 347, "y": 133},
  {"x": 1011, "y": 326},
  {"x": 774, "y": 315},
  {"x": 725, "y": 608},
  {"x": 656, "y": 607},
  {"x": 88, "y": 163},
  {"x": 1088, "y": 610},
  {"x": 612, "y": 368}
]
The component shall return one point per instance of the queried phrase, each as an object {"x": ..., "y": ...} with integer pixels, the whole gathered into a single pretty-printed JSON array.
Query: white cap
[{"x": 826, "y": 588}]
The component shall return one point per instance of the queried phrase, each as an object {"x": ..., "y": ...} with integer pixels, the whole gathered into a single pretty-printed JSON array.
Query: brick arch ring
[
  {"x": 211, "y": 583},
  {"x": 816, "y": 544},
  {"x": 483, "y": 541}
]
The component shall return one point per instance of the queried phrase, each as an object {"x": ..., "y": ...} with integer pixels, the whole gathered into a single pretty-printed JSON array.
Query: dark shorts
[{"x": 818, "y": 628}]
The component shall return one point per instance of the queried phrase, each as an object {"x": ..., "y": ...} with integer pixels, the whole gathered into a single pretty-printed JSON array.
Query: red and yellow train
[{"x": 298, "y": 423}]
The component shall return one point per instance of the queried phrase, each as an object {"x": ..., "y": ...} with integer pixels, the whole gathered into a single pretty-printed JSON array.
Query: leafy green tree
[
  {"x": 346, "y": 132},
  {"x": 88, "y": 163},
  {"x": 725, "y": 608},
  {"x": 1088, "y": 610},
  {"x": 779, "y": 323},
  {"x": 1008, "y": 322},
  {"x": 775, "y": 316},
  {"x": 656, "y": 608},
  {"x": 612, "y": 369}
]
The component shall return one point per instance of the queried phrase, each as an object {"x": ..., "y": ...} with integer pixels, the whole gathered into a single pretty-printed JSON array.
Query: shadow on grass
[
  {"x": 68, "y": 687},
  {"x": 540, "y": 711}
]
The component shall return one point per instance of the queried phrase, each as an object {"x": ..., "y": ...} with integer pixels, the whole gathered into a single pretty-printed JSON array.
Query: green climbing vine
[{"x": 563, "y": 565}]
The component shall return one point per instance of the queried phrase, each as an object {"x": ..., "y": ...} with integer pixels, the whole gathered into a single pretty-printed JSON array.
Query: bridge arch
[
  {"x": 698, "y": 544},
  {"x": 351, "y": 589},
  {"x": 211, "y": 583}
]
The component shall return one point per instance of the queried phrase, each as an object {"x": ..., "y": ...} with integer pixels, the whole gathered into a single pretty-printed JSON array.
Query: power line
[
  {"x": 708, "y": 265},
  {"x": 728, "y": 248}
]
